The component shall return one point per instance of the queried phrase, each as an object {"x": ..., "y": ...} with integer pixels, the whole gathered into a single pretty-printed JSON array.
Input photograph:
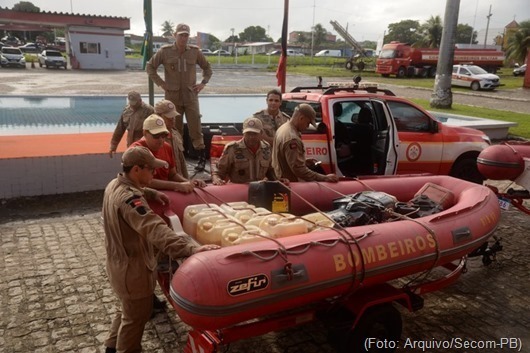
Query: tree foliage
[
  {"x": 406, "y": 31},
  {"x": 431, "y": 33},
  {"x": 319, "y": 34},
  {"x": 519, "y": 44},
  {"x": 254, "y": 34},
  {"x": 25, "y": 6},
  {"x": 168, "y": 28},
  {"x": 464, "y": 33},
  {"x": 428, "y": 34}
]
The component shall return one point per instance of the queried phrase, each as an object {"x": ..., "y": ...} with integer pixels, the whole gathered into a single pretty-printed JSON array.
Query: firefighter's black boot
[{"x": 202, "y": 161}]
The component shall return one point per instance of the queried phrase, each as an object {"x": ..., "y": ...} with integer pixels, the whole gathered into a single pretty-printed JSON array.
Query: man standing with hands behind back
[
  {"x": 180, "y": 62},
  {"x": 131, "y": 120}
]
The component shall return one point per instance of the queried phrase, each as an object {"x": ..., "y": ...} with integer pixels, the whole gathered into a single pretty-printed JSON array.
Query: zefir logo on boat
[{"x": 247, "y": 284}]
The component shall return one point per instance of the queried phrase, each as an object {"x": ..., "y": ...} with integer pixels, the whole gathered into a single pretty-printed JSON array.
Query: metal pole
[
  {"x": 442, "y": 97},
  {"x": 313, "y": 32},
  {"x": 148, "y": 17},
  {"x": 487, "y": 27}
]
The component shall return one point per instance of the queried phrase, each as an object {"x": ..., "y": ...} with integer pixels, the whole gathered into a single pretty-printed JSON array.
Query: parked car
[
  {"x": 206, "y": 52},
  {"x": 30, "y": 48},
  {"x": 10, "y": 56},
  {"x": 52, "y": 58},
  {"x": 221, "y": 52},
  {"x": 12, "y": 41},
  {"x": 128, "y": 51},
  {"x": 275, "y": 52},
  {"x": 474, "y": 77},
  {"x": 291, "y": 52},
  {"x": 519, "y": 71}
]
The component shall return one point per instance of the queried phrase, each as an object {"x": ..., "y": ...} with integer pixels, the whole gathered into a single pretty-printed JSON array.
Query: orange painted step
[{"x": 56, "y": 145}]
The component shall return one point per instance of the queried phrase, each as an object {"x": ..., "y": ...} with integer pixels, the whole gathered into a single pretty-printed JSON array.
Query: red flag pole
[{"x": 281, "y": 71}]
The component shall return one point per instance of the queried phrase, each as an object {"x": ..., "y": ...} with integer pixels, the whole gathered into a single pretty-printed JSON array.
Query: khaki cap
[
  {"x": 183, "y": 28},
  {"x": 307, "y": 111},
  {"x": 141, "y": 156},
  {"x": 252, "y": 125},
  {"x": 167, "y": 108},
  {"x": 134, "y": 96},
  {"x": 155, "y": 124}
]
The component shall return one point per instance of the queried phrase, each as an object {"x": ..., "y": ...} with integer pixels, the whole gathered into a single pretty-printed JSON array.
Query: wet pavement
[{"x": 42, "y": 81}]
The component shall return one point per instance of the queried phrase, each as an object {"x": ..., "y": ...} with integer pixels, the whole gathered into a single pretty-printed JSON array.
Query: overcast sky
[{"x": 366, "y": 20}]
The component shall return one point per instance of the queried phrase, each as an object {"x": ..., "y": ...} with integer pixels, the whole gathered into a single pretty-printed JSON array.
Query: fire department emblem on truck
[{"x": 413, "y": 152}]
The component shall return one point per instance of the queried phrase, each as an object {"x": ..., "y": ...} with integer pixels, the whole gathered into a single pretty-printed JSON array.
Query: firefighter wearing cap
[
  {"x": 271, "y": 117},
  {"x": 180, "y": 85},
  {"x": 246, "y": 160},
  {"x": 155, "y": 134},
  {"x": 288, "y": 152},
  {"x": 131, "y": 120},
  {"x": 132, "y": 230},
  {"x": 166, "y": 109}
]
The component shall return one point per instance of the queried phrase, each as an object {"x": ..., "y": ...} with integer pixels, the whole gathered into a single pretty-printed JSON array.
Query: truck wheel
[
  {"x": 349, "y": 65},
  {"x": 382, "y": 322},
  {"x": 466, "y": 169},
  {"x": 432, "y": 72},
  {"x": 475, "y": 85},
  {"x": 401, "y": 72},
  {"x": 360, "y": 65}
]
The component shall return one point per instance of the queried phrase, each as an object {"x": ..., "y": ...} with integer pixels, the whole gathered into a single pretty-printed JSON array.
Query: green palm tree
[
  {"x": 431, "y": 32},
  {"x": 319, "y": 35},
  {"x": 519, "y": 44},
  {"x": 168, "y": 28}
]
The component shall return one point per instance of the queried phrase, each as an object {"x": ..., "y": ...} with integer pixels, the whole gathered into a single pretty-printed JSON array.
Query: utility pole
[
  {"x": 474, "y": 20},
  {"x": 487, "y": 28},
  {"x": 442, "y": 97},
  {"x": 313, "y": 33}
]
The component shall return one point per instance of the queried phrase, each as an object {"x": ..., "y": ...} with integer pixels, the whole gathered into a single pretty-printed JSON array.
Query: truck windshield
[{"x": 387, "y": 54}]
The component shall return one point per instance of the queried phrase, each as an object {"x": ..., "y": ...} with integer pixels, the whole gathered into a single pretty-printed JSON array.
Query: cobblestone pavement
[{"x": 54, "y": 294}]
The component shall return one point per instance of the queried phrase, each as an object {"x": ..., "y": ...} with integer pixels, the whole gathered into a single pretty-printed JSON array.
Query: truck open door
[{"x": 386, "y": 140}]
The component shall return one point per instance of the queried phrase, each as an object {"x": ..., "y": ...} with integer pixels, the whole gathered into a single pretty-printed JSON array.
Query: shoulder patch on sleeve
[{"x": 136, "y": 203}]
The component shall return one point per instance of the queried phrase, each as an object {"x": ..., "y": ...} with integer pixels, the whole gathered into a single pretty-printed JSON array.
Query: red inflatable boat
[{"x": 220, "y": 289}]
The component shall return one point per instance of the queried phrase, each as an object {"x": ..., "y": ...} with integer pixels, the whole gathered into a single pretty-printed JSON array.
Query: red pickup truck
[{"x": 370, "y": 131}]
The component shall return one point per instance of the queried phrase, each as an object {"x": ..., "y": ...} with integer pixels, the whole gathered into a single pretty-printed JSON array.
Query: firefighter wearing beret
[
  {"x": 288, "y": 152},
  {"x": 246, "y": 160},
  {"x": 180, "y": 85},
  {"x": 132, "y": 230}
]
